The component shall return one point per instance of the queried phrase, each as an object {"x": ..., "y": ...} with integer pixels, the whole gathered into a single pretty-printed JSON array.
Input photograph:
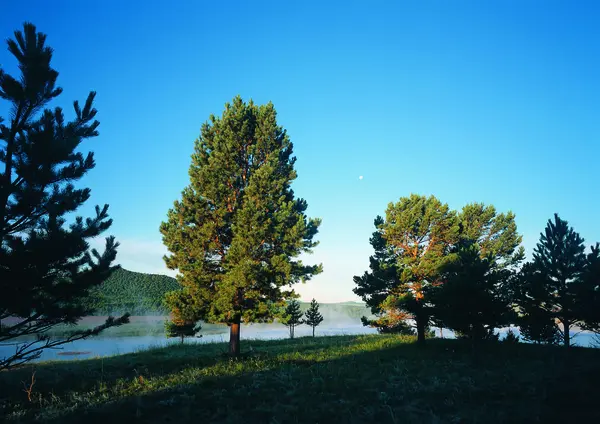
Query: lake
[{"x": 117, "y": 345}]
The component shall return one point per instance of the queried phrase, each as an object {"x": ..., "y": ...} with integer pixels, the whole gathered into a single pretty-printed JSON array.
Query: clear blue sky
[{"x": 497, "y": 102}]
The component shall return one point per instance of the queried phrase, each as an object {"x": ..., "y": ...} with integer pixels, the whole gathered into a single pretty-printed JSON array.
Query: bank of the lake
[{"x": 354, "y": 379}]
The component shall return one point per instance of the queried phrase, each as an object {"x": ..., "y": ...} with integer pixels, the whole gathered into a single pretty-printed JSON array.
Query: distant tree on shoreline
[
  {"x": 292, "y": 316},
  {"x": 313, "y": 316}
]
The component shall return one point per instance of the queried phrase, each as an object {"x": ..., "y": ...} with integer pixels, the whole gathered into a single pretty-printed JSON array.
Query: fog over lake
[{"x": 110, "y": 344}]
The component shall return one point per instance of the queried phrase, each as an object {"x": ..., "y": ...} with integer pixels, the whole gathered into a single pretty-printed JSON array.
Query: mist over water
[
  {"x": 145, "y": 332},
  {"x": 148, "y": 331}
]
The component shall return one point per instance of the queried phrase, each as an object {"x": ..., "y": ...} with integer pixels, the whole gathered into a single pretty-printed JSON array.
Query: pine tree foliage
[
  {"x": 375, "y": 286},
  {"x": 559, "y": 263},
  {"x": 537, "y": 324},
  {"x": 474, "y": 297},
  {"x": 470, "y": 301},
  {"x": 181, "y": 329},
  {"x": 313, "y": 316},
  {"x": 420, "y": 231},
  {"x": 590, "y": 291},
  {"x": 292, "y": 316},
  {"x": 46, "y": 266},
  {"x": 236, "y": 234},
  {"x": 494, "y": 234}
]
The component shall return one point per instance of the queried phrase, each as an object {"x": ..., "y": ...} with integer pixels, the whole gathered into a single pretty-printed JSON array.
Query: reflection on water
[{"x": 106, "y": 346}]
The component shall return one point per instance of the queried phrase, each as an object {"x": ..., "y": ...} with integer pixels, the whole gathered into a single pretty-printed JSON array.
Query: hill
[
  {"x": 141, "y": 294},
  {"x": 134, "y": 292},
  {"x": 341, "y": 379}
]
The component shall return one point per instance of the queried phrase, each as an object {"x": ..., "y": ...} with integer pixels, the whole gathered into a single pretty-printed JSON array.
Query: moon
[{"x": 360, "y": 178}]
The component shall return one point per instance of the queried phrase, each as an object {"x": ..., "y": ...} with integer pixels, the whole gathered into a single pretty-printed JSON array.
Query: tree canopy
[{"x": 236, "y": 234}]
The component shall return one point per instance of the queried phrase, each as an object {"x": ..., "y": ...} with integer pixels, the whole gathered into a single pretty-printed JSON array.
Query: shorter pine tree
[
  {"x": 313, "y": 316},
  {"x": 292, "y": 316},
  {"x": 181, "y": 329}
]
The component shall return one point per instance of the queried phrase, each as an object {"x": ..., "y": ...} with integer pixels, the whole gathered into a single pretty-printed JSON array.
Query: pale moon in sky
[{"x": 360, "y": 178}]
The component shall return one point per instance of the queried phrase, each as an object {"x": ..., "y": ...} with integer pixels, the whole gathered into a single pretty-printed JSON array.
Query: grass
[{"x": 341, "y": 379}]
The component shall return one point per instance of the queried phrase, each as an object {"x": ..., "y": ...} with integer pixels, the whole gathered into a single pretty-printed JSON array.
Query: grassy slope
[{"x": 383, "y": 379}]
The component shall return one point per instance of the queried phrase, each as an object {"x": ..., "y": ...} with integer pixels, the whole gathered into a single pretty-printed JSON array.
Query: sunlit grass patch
[{"x": 371, "y": 378}]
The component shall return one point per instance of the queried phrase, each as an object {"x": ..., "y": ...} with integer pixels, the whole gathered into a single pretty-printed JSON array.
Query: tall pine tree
[
  {"x": 238, "y": 229},
  {"x": 559, "y": 263},
  {"x": 411, "y": 246},
  {"x": 313, "y": 316},
  {"x": 46, "y": 267}
]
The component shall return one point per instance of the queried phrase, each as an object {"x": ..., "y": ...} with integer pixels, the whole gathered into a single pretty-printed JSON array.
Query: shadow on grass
[{"x": 355, "y": 379}]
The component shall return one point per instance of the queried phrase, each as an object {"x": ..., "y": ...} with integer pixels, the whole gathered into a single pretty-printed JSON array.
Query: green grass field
[{"x": 357, "y": 379}]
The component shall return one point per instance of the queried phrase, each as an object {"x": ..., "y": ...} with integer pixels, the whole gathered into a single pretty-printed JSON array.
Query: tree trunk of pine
[
  {"x": 313, "y": 331},
  {"x": 566, "y": 326},
  {"x": 292, "y": 332},
  {"x": 420, "y": 330},
  {"x": 234, "y": 339}
]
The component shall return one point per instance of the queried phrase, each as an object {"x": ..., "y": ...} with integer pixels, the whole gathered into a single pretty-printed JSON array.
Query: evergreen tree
[
  {"x": 495, "y": 235},
  {"x": 46, "y": 267},
  {"x": 536, "y": 323},
  {"x": 292, "y": 316},
  {"x": 375, "y": 286},
  {"x": 236, "y": 233},
  {"x": 313, "y": 316},
  {"x": 183, "y": 322},
  {"x": 181, "y": 329},
  {"x": 411, "y": 246},
  {"x": 474, "y": 297},
  {"x": 470, "y": 300},
  {"x": 590, "y": 291},
  {"x": 559, "y": 262}
]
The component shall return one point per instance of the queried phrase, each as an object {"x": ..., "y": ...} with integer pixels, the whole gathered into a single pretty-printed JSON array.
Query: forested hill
[
  {"x": 134, "y": 292},
  {"x": 142, "y": 294}
]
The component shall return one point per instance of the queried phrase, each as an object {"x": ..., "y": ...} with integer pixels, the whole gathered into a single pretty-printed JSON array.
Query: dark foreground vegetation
[{"x": 379, "y": 378}]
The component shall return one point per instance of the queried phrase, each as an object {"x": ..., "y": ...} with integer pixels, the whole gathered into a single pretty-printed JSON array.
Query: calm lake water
[{"x": 107, "y": 346}]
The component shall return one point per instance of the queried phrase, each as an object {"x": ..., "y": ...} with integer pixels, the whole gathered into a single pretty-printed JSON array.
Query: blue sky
[{"x": 496, "y": 102}]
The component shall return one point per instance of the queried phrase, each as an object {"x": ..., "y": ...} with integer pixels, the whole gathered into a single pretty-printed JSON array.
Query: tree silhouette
[
  {"x": 236, "y": 232},
  {"x": 470, "y": 301},
  {"x": 292, "y": 317},
  {"x": 536, "y": 323},
  {"x": 590, "y": 290},
  {"x": 555, "y": 278},
  {"x": 473, "y": 297},
  {"x": 313, "y": 316},
  {"x": 46, "y": 267}
]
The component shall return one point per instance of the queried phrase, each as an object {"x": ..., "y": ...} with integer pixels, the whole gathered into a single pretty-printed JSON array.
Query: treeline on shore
[{"x": 465, "y": 270}]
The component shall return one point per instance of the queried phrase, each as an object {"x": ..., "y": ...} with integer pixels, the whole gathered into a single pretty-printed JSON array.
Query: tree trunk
[
  {"x": 420, "y": 330},
  {"x": 234, "y": 339},
  {"x": 181, "y": 339},
  {"x": 566, "y": 326},
  {"x": 313, "y": 331}
]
